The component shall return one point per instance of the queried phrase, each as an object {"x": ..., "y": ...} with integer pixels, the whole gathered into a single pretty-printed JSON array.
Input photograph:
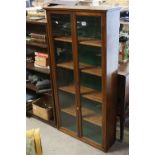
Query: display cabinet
[{"x": 84, "y": 59}]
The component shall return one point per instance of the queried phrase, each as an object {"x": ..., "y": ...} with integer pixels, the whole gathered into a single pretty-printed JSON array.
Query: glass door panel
[
  {"x": 61, "y": 26},
  {"x": 89, "y": 53},
  {"x": 89, "y": 27},
  {"x": 91, "y": 120}
]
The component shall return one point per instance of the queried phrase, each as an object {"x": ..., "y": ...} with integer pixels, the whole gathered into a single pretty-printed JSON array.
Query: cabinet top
[{"x": 82, "y": 8}]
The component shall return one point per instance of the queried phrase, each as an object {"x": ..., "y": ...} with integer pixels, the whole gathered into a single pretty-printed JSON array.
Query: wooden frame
[{"x": 109, "y": 64}]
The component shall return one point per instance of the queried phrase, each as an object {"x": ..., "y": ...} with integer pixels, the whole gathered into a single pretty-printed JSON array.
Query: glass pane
[
  {"x": 64, "y": 67},
  {"x": 91, "y": 103},
  {"x": 86, "y": 53},
  {"x": 61, "y": 25},
  {"x": 67, "y": 110},
  {"x": 89, "y": 52},
  {"x": 89, "y": 27},
  {"x": 91, "y": 120},
  {"x": 91, "y": 81}
]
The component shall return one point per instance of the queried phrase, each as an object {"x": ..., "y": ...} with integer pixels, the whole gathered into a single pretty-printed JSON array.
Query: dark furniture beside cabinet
[
  {"x": 39, "y": 27},
  {"x": 83, "y": 45},
  {"x": 123, "y": 96}
]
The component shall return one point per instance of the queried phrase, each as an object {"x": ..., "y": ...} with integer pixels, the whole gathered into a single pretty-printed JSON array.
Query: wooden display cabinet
[
  {"x": 84, "y": 57},
  {"x": 39, "y": 27}
]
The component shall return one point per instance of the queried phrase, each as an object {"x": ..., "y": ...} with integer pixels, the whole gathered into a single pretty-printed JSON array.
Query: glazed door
[
  {"x": 63, "y": 67},
  {"x": 89, "y": 49}
]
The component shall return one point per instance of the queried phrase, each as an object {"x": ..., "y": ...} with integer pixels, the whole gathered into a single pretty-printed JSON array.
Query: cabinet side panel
[{"x": 112, "y": 46}]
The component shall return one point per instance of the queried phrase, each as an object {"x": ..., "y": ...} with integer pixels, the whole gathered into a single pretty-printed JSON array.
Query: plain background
[{"x": 13, "y": 77}]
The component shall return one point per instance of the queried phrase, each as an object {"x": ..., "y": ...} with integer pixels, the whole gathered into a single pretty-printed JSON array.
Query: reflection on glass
[
  {"x": 63, "y": 52},
  {"x": 89, "y": 27},
  {"x": 61, "y": 25}
]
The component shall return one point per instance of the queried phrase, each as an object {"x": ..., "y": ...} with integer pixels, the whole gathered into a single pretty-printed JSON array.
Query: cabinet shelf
[
  {"x": 67, "y": 65},
  {"x": 94, "y": 96},
  {"x": 97, "y": 71},
  {"x": 63, "y": 39},
  {"x": 90, "y": 42},
  {"x": 82, "y": 41},
  {"x": 87, "y": 114},
  {"x": 84, "y": 68},
  {"x": 31, "y": 66},
  {"x": 31, "y": 43},
  {"x": 86, "y": 92}
]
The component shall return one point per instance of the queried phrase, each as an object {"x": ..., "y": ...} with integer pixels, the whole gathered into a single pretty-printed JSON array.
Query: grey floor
[{"x": 55, "y": 142}]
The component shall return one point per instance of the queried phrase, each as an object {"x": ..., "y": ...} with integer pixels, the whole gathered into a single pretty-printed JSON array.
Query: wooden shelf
[
  {"x": 87, "y": 115},
  {"x": 84, "y": 68},
  {"x": 97, "y": 71},
  {"x": 31, "y": 43},
  {"x": 94, "y": 96},
  {"x": 31, "y": 66},
  {"x": 90, "y": 42},
  {"x": 63, "y": 39},
  {"x": 33, "y": 88},
  {"x": 82, "y": 41},
  {"x": 30, "y": 86},
  {"x": 86, "y": 92},
  {"x": 67, "y": 65},
  {"x": 39, "y": 21}
]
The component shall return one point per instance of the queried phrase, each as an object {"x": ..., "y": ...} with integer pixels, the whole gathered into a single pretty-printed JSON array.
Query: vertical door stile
[
  {"x": 53, "y": 67},
  {"x": 76, "y": 73},
  {"x": 104, "y": 73}
]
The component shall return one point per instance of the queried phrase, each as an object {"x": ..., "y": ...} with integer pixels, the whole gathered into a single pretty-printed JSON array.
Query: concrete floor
[{"x": 55, "y": 142}]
